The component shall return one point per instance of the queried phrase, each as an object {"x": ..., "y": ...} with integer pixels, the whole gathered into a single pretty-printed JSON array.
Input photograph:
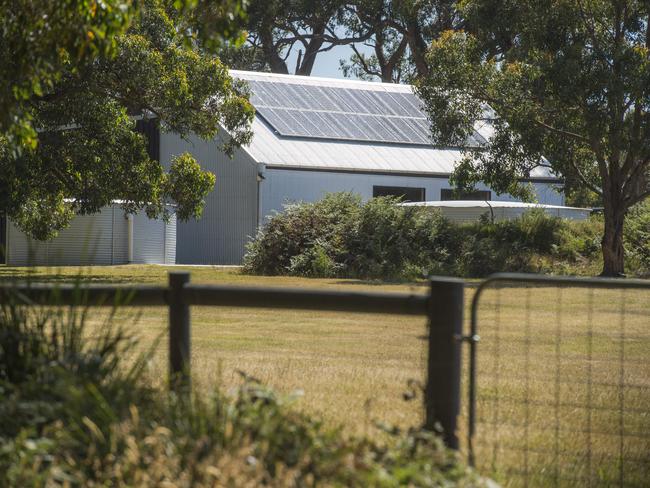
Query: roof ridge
[{"x": 320, "y": 80}]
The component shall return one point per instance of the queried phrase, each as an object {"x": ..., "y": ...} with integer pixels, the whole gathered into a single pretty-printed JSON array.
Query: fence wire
[{"x": 562, "y": 384}]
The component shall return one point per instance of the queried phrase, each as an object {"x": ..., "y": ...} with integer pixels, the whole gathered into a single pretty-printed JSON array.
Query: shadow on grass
[
  {"x": 12, "y": 274},
  {"x": 469, "y": 283},
  {"x": 379, "y": 282}
]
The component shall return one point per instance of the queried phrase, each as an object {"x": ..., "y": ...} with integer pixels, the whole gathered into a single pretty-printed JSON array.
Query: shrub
[
  {"x": 297, "y": 230},
  {"x": 379, "y": 239},
  {"x": 341, "y": 236},
  {"x": 637, "y": 238}
]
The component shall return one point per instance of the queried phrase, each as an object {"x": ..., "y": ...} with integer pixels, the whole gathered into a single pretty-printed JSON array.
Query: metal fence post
[
  {"x": 442, "y": 393},
  {"x": 179, "y": 333}
]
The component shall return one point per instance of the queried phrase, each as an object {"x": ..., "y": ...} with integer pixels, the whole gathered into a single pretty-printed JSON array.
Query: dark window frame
[{"x": 407, "y": 193}]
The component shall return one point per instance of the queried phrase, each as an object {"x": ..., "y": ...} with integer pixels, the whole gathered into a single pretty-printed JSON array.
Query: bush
[
  {"x": 637, "y": 238},
  {"x": 341, "y": 236},
  {"x": 73, "y": 414}
]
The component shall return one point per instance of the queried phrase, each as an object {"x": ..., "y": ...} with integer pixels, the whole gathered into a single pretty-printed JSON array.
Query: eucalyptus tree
[
  {"x": 85, "y": 152},
  {"x": 400, "y": 35},
  {"x": 278, "y": 28},
  {"x": 566, "y": 84}
]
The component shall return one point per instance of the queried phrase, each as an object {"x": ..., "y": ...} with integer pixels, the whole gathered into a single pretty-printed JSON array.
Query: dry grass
[
  {"x": 546, "y": 355},
  {"x": 354, "y": 368}
]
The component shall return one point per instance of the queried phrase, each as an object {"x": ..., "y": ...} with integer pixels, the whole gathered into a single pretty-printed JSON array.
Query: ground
[{"x": 545, "y": 354}]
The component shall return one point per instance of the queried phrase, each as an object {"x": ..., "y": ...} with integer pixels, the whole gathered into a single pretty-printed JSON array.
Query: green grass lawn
[{"x": 543, "y": 357}]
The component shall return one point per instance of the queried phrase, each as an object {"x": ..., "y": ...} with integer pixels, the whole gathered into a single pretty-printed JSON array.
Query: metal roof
[{"x": 272, "y": 149}]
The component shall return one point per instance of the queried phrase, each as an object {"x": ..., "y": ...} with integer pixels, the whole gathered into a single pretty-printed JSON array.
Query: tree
[
  {"x": 87, "y": 152},
  {"x": 400, "y": 34},
  {"x": 390, "y": 61},
  {"x": 276, "y": 28},
  {"x": 566, "y": 84},
  {"x": 39, "y": 37}
]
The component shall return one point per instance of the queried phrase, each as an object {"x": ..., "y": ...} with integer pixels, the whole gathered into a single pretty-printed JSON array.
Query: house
[
  {"x": 107, "y": 237},
  {"x": 313, "y": 136}
]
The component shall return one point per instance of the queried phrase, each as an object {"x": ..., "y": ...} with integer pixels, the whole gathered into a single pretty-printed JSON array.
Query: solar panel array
[{"x": 322, "y": 112}]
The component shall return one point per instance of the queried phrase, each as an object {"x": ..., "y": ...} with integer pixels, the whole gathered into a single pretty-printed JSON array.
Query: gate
[{"x": 559, "y": 384}]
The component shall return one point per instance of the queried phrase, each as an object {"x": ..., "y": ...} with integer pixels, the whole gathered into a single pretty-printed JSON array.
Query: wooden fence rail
[{"x": 443, "y": 306}]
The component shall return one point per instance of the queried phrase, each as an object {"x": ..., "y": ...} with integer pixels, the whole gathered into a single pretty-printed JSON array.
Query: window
[
  {"x": 451, "y": 194},
  {"x": 407, "y": 194}
]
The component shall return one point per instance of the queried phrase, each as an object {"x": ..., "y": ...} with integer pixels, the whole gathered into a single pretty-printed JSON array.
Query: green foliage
[
  {"x": 42, "y": 40},
  {"x": 38, "y": 38},
  {"x": 637, "y": 238},
  {"x": 88, "y": 153},
  {"x": 563, "y": 84},
  {"x": 75, "y": 414},
  {"x": 341, "y": 236}
]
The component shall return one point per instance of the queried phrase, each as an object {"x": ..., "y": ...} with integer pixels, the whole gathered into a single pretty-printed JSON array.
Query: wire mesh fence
[{"x": 562, "y": 380}]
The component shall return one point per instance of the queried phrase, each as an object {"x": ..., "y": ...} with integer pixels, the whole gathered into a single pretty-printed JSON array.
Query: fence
[
  {"x": 443, "y": 306},
  {"x": 559, "y": 394}
]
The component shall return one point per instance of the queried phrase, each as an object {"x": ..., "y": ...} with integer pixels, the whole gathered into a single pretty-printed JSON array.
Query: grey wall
[
  {"x": 280, "y": 186},
  {"x": 88, "y": 240},
  {"x": 154, "y": 241},
  {"x": 98, "y": 239},
  {"x": 230, "y": 214}
]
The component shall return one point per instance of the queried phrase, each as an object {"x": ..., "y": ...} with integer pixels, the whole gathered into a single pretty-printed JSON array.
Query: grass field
[{"x": 545, "y": 355}]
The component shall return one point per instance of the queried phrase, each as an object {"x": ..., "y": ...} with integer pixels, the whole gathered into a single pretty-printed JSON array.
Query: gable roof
[{"x": 331, "y": 124}]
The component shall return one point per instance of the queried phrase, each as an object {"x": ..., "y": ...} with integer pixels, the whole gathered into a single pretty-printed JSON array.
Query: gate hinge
[{"x": 468, "y": 338}]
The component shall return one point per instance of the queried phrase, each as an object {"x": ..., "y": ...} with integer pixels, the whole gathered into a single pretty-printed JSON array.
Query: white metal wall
[
  {"x": 151, "y": 240},
  {"x": 280, "y": 186},
  {"x": 98, "y": 239},
  {"x": 471, "y": 214},
  {"x": 230, "y": 215},
  {"x": 88, "y": 240},
  {"x": 120, "y": 236}
]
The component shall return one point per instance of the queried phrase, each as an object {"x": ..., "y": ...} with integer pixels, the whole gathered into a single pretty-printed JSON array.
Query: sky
[{"x": 327, "y": 63}]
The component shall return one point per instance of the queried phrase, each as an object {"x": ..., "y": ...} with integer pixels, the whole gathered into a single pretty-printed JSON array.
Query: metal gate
[{"x": 559, "y": 384}]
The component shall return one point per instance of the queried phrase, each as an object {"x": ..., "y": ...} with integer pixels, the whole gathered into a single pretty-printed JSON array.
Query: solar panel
[{"x": 310, "y": 111}]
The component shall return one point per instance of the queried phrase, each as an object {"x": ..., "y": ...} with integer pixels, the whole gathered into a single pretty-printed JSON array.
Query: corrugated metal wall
[
  {"x": 149, "y": 239},
  {"x": 120, "y": 236},
  {"x": 280, "y": 186},
  {"x": 88, "y": 240},
  {"x": 170, "y": 241},
  {"x": 472, "y": 214},
  {"x": 98, "y": 239},
  {"x": 230, "y": 214}
]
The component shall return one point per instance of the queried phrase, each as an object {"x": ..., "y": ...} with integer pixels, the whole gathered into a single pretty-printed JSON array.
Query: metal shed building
[
  {"x": 469, "y": 211},
  {"x": 313, "y": 136},
  {"x": 108, "y": 237}
]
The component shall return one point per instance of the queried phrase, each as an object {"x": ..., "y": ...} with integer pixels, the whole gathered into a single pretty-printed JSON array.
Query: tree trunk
[
  {"x": 276, "y": 63},
  {"x": 311, "y": 51},
  {"x": 612, "y": 243}
]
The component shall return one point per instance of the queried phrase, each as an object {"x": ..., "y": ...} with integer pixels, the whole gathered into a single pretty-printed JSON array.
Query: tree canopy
[
  {"x": 565, "y": 83},
  {"x": 85, "y": 153},
  {"x": 400, "y": 33},
  {"x": 397, "y": 32}
]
